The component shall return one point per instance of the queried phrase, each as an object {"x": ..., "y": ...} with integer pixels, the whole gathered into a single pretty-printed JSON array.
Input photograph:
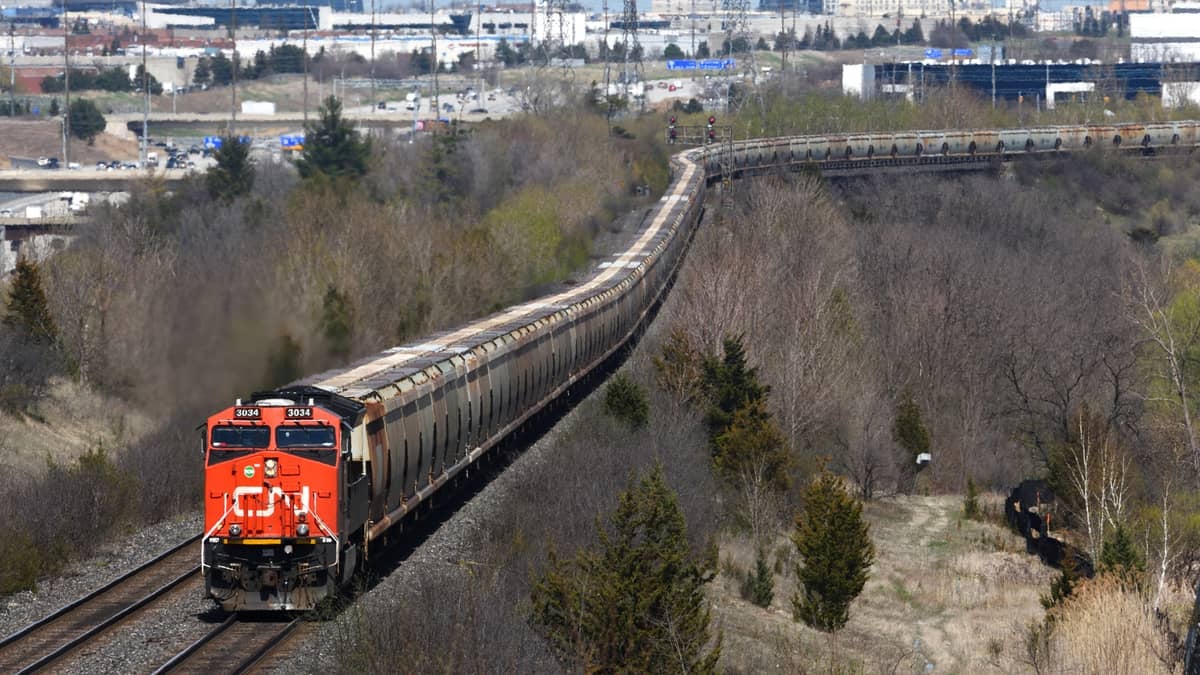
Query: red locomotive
[{"x": 279, "y": 499}]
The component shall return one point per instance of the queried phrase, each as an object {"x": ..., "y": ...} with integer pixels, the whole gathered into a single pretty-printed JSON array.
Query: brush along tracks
[{"x": 64, "y": 632}]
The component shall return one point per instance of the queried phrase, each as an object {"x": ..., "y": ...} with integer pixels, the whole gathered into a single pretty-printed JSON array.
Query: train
[
  {"x": 301, "y": 481},
  {"x": 931, "y": 147}
]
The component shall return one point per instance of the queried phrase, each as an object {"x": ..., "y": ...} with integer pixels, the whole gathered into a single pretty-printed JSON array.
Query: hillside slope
[{"x": 944, "y": 591}]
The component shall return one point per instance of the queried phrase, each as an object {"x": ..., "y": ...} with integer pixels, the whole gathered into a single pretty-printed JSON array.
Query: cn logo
[{"x": 273, "y": 495}]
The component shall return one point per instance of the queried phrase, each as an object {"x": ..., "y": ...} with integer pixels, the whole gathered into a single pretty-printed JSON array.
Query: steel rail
[
  {"x": 263, "y": 650},
  {"x": 104, "y": 625},
  {"x": 68, "y": 608}
]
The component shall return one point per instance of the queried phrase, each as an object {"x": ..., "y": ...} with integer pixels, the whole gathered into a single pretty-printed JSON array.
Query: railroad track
[
  {"x": 234, "y": 646},
  {"x": 48, "y": 640}
]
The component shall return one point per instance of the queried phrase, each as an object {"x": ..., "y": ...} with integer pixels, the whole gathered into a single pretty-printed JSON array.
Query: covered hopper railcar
[{"x": 760, "y": 154}]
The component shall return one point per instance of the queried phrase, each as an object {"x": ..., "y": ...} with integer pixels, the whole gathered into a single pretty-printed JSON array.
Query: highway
[{"x": 80, "y": 180}]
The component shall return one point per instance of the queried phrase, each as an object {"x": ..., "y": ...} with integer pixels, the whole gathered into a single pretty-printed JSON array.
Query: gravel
[{"x": 80, "y": 578}]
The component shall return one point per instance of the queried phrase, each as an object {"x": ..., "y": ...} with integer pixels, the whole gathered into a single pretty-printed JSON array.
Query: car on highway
[
  {"x": 6, "y": 213},
  {"x": 479, "y": 111}
]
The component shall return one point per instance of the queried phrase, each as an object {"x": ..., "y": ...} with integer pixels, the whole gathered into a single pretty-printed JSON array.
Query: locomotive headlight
[
  {"x": 271, "y": 468},
  {"x": 302, "y": 530},
  {"x": 235, "y": 530}
]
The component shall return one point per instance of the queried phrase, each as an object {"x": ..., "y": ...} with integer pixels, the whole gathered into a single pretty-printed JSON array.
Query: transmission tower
[
  {"x": 633, "y": 70},
  {"x": 737, "y": 31},
  {"x": 559, "y": 35}
]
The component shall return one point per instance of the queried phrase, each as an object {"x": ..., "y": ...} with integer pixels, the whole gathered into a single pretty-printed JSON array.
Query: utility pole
[
  {"x": 304, "y": 57},
  {"x": 783, "y": 36},
  {"x": 478, "y": 52},
  {"x": 12, "y": 69},
  {"x": 433, "y": 34},
  {"x": 692, "y": 17},
  {"x": 372, "y": 56},
  {"x": 233, "y": 94},
  {"x": 66, "y": 86},
  {"x": 145, "y": 92}
]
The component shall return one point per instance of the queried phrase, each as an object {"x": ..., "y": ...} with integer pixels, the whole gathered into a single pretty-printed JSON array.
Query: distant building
[
  {"x": 1037, "y": 84},
  {"x": 1171, "y": 37}
]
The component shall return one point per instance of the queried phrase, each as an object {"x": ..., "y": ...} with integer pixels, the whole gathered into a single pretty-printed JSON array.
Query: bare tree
[{"x": 1173, "y": 331}]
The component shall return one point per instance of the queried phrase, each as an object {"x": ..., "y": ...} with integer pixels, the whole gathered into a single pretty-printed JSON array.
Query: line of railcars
[{"x": 300, "y": 481}]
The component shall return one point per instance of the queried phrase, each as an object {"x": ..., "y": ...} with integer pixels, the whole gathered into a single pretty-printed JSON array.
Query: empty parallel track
[
  {"x": 234, "y": 646},
  {"x": 63, "y": 632}
]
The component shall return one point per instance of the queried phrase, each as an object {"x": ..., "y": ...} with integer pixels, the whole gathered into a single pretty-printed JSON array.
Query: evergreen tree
[
  {"x": 730, "y": 385},
  {"x": 759, "y": 587},
  {"x": 233, "y": 174},
  {"x": 625, "y": 401},
  {"x": 28, "y": 312},
  {"x": 836, "y": 553},
  {"x": 222, "y": 69},
  {"x": 332, "y": 147},
  {"x": 86, "y": 120},
  {"x": 55, "y": 109},
  {"x": 971, "y": 502},
  {"x": 1062, "y": 587},
  {"x": 909, "y": 432},
  {"x": 753, "y": 446},
  {"x": 202, "y": 76},
  {"x": 150, "y": 80},
  {"x": 1119, "y": 556},
  {"x": 337, "y": 323},
  {"x": 634, "y": 603}
]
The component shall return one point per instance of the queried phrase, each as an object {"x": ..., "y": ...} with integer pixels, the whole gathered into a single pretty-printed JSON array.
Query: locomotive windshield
[
  {"x": 317, "y": 442},
  {"x": 240, "y": 437},
  {"x": 230, "y": 441},
  {"x": 304, "y": 437}
]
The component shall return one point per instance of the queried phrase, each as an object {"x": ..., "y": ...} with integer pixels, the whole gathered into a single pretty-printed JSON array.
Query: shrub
[
  {"x": 20, "y": 563},
  {"x": 971, "y": 508},
  {"x": 759, "y": 585},
  {"x": 625, "y": 401}
]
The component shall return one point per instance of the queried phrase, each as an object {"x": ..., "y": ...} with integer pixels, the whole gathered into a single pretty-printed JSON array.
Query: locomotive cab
[{"x": 278, "y": 471}]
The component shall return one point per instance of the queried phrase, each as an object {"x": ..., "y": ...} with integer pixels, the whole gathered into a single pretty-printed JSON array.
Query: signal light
[
  {"x": 672, "y": 120},
  {"x": 712, "y": 119},
  {"x": 671, "y": 131},
  {"x": 712, "y": 133}
]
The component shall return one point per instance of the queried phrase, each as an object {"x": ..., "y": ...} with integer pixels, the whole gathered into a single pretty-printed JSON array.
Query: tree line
[{"x": 116, "y": 79}]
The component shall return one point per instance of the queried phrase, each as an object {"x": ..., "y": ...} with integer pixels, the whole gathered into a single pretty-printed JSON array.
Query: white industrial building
[{"x": 1164, "y": 37}]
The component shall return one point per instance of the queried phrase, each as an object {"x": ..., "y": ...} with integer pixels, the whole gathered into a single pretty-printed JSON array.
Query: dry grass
[
  {"x": 37, "y": 138},
  {"x": 1107, "y": 628},
  {"x": 67, "y": 423},
  {"x": 943, "y": 591}
]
